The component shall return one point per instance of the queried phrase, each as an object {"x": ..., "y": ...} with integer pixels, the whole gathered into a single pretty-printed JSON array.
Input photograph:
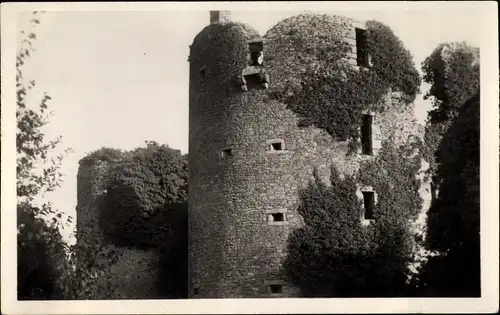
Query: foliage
[
  {"x": 452, "y": 70},
  {"x": 174, "y": 254},
  {"x": 332, "y": 93},
  {"x": 103, "y": 154},
  {"x": 334, "y": 254},
  {"x": 453, "y": 218},
  {"x": 452, "y": 150},
  {"x": 139, "y": 187},
  {"x": 41, "y": 249},
  {"x": 144, "y": 207},
  {"x": 32, "y": 149},
  {"x": 47, "y": 266},
  {"x": 41, "y": 254}
]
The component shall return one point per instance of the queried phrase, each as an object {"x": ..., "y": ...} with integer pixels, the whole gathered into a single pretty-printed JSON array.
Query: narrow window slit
[
  {"x": 363, "y": 58},
  {"x": 367, "y": 134},
  {"x": 369, "y": 201}
]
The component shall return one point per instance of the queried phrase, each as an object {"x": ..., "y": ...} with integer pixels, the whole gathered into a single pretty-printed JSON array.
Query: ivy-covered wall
[
  {"x": 339, "y": 254},
  {"x": 233, "y": 250},
  {"x": 131, "y": 208}
]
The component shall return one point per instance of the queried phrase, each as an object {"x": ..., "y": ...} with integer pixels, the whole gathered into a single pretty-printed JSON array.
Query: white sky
[{"x": 119, "y": 78}]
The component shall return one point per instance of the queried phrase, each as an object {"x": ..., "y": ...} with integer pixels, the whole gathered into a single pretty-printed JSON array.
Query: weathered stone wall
[
  {"x": 135, "y": 273},
  {"x": 233, "y": 251}
]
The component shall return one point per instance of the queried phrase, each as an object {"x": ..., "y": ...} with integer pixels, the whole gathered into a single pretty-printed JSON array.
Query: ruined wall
[
  {"x": 134, "y": 275},
  {"x": 234, "y": 251}
]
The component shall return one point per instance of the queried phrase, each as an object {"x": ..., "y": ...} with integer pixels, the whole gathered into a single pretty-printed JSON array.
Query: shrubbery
[{"x": 334, "y": 254}]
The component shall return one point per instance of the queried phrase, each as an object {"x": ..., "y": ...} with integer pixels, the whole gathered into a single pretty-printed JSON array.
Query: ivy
[
  {"x": 317, "y": 83},
  {"x": 104, "y": 155},
  {"x": 334, "y": 254},
  {"x": 140, "y": 189},
  {"x": 452, "y": 70}
]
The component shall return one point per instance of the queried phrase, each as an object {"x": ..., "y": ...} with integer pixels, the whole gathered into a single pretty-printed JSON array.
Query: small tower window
[
  {"x": 276, "y": 145},
  {"x": 363, "y": 58},
  {"x": 196, "y": 290},
  {"x": 276, "y": 288},
  {"x": 366, "y": 135},
  {"x": 369, "y": 202},
  {"x": 203, "y": 71},
  {"x": 225, "y": 153},
  {"x": 276, "y": 217},
  {"x": 256, "y": 51}
]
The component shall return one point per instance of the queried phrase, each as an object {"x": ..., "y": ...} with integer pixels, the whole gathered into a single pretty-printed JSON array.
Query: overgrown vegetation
[
  {"x": 334, "y": 254},
  {"x": 41, "y": 252},
  {"x": 332, "y": 93},
  {"x": 452, "y": 70},
  {"x": 145, "y": 207},
  {"x": 50, "y": 269},
  {"x": 453, "y": 219}
]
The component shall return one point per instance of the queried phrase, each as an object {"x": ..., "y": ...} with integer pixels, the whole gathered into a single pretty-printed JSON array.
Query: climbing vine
[
  {"x": 144, "y": 206},
  {"x": 139, "y": 189},
  {"x": 334, "y": 254},
  {"x": 316, "y": 81}
]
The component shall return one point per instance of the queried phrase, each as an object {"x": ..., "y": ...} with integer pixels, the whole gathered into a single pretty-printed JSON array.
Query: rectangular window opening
[
  {"x": 196, "y": 291},
  {"x": 276, "y": 288},
  {"x": 276, "y": 146},
  {"x": 276, "y": 217},
  {"x": 369, "y": 201},
  {"x": 366, "y": 135},
  {"x": 226, "y": 153},
  {"x": 363, "y": 59},
  {"x": 256, "y": 50}
]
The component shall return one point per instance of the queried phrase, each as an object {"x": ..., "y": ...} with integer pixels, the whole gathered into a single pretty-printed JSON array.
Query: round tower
[{"x": 248, "y": 156}]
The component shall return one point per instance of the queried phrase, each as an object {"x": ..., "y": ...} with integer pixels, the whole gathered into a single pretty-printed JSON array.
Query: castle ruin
[{"x": 248, "y": 157}]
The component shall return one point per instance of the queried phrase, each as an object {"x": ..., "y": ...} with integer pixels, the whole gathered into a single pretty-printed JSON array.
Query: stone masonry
[{"x": 248, "y": 158}]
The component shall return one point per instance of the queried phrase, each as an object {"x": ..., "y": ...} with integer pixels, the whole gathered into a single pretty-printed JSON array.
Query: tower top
[{"x": 220, "y": 17}]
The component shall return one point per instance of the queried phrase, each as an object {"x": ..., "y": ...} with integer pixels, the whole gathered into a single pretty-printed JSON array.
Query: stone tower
[{"x": 248, "y": 157}]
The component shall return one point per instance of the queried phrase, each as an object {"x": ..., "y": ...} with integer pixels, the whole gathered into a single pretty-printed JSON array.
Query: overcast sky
[{"x": 118, "y": 79}]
